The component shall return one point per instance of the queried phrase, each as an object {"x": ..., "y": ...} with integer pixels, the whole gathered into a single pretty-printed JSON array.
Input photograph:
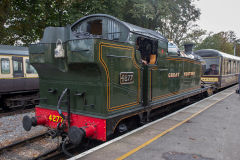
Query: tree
[
  {"x": 145, "y": 13},
  {"x": 4, "y": 11},
  {"x": 222, "y": 41},
  {"x": 180, "y": 22},
  {"x": 80, "y": 8},
  {"x": 173, "y": 18},
  {"x": 23, "y": 21},
  {"x": 195, "y": 36}
]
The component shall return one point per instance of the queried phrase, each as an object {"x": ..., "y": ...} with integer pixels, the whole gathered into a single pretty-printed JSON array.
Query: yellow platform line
[{"x": 168, "y": 130}]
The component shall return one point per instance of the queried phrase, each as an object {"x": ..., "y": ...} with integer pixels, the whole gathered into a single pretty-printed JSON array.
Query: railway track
[
  {"x": 30, "y": 148},
  {"x": 21, "y": 142},
  {"x": 73, "y": 150}
]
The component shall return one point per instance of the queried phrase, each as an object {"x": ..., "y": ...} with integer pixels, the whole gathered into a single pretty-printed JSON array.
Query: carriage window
[
  {"x": 233, "y": 67},
  {"x": 5, "y": 66},
  {"x": 29, "y": 68},
  {"x": 237, "y": 67},
  {"x": 229, "y": 67},
  {"x": 212, "y": 67},
  {"x": 223, "y": 70},
  {"x": 17, "y": 66},
  {"x": 226, "y": 66},
  {"x": 95, "y": 27}
]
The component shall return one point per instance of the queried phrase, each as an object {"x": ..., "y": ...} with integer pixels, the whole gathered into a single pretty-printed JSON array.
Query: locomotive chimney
[{"x": 188, "y": 47}]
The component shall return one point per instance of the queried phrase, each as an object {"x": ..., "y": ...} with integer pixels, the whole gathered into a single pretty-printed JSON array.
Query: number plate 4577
[{"x": 126, "y": 78}]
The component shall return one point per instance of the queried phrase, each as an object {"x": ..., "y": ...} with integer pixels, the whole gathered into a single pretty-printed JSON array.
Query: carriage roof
[
  {"x": 215, "y": 53},
  {"x": 13, "y": 50}
]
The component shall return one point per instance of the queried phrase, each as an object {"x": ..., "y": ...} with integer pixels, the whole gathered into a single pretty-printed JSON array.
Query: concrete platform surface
[{"x": 207, "y": 130}]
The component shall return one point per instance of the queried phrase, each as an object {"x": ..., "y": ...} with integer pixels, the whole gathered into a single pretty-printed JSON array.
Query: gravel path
[{"x": 11, "y": 129}]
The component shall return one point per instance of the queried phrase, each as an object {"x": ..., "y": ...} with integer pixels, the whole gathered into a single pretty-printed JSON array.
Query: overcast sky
[{"x": 219, "y": 15}]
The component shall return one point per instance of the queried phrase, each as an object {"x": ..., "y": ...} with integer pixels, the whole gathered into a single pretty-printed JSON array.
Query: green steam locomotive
[{"x": 100, "y": 75}]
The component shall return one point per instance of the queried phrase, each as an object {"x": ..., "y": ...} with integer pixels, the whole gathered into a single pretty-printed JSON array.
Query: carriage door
[
  {"x": 19, "y": 82},
  {"x": 17, "y": 67}
]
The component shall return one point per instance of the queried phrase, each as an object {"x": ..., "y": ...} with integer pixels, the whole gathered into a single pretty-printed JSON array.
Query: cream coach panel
[
  {"x": 4, "y": 64},
  {"x": 28, "y": 68}
]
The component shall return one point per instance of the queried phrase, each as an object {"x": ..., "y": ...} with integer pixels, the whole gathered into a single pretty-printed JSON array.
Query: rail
[{"x": 16, "y": 143}]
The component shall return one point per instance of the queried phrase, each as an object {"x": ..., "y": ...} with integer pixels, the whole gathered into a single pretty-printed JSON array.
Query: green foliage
[
  {"x": 180, "y": 21},
  {"x": 145, "y": 13},
  {"x": 80, "y": 8},
  {"x": 23, "y": 21},
  {"x": 173, "y": 18},
  {"x": 195, "y": 36},
  {"x": 4, "y": 11},
  {"x": 222, "y": 41}
]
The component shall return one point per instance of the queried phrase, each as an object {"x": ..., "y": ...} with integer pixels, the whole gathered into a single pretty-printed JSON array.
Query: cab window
[
  {"x": 162, "y": 47},
  {"x": 29, "y": 68},
  {"x": 113, "y": 30},
  {"x": 173, "y": 49},
  {"x": 148, "y": 49},
  {"x": 98, "y": 27},
  {"x": 163, "y": 44},
  {"x": 94, "y": 27},
  {"x": 5, "y": 66}
]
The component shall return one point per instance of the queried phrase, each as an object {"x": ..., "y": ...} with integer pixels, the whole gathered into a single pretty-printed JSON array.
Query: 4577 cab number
[{"x": 126, "y": 78}]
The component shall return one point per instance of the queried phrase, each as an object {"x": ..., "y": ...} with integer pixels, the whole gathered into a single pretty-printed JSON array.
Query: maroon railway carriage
[{"x": 18, "y": 79}]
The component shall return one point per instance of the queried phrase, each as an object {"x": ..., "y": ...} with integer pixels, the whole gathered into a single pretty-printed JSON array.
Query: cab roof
[{"x": 131, "y": 27}]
